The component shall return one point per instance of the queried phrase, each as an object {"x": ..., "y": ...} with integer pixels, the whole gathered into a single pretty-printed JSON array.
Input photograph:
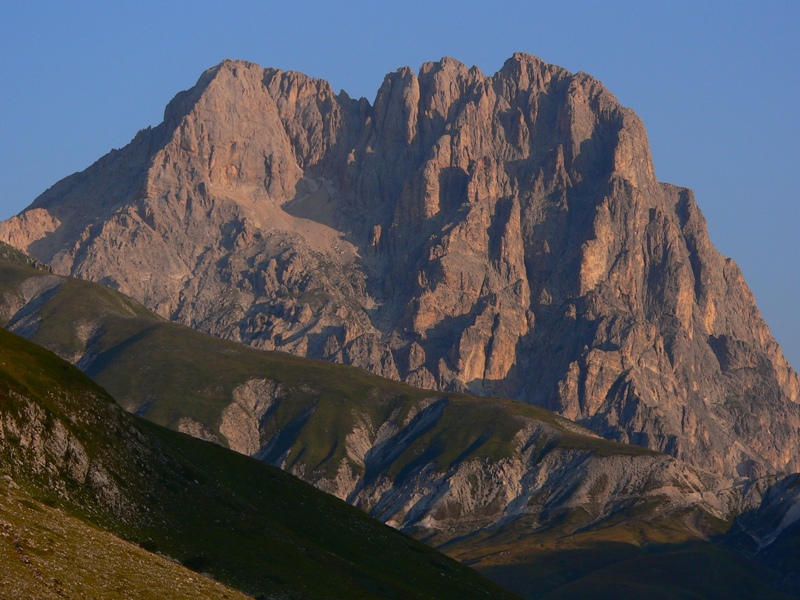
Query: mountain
[
  {"x": 528, "y": 498},
  {"x": 76, "y": 469},
  {"x": 501, "y": 235}
]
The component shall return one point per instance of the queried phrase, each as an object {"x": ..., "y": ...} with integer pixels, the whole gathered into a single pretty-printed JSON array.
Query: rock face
[
  {"x": 495, "y": 483},
  {"x": 395, "y": 470},
  {"x": 439, "y": 466},
  {"x": 502, "y": 235}
]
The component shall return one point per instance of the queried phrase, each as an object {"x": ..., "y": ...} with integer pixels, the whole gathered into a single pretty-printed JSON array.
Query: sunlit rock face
[{"x": 503, "y": 235}]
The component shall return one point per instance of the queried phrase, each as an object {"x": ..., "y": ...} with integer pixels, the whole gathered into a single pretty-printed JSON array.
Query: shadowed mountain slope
[
  {"x": 65, "y": 443},
  {"x": 46, "y": 553},
  {"x": 517, "y": 492}
]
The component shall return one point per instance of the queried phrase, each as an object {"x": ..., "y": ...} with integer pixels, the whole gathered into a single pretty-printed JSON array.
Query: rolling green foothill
[
  {"x": 241, "y": 521},
  {"x": 179, "y": 378}
]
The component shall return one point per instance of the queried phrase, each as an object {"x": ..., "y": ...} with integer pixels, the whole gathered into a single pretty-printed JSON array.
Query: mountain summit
[{"x": 502, "y": 235}]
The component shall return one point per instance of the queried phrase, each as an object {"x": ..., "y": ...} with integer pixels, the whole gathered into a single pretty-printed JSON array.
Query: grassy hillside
[
  {"x": 67, "y": 445},
  {"x": 627, "y": 559},
  {"x": 165, "y": 371},
  {"x": 46, "y": 554},
  {"x": 407, "y": 449}
]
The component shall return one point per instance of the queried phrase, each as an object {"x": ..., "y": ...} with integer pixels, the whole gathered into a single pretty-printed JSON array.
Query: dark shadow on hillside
[{"x": 619, "y": 571}]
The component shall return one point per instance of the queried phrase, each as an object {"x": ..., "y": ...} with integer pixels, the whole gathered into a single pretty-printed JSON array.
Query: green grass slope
[
  {"x": 165, "y": 372},
  {"x": 182, "y": 379},
  {"x": 608, "y": 561},
  {"x": 66, "y": 444},
  {"x": 46, "y": 554}
]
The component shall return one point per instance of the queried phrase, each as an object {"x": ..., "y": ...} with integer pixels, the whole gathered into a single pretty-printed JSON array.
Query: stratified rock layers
[{"x": 503, "y": 235}]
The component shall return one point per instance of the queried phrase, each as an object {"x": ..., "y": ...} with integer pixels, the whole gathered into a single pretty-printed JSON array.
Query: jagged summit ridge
[{"x": 504, "y": 235}]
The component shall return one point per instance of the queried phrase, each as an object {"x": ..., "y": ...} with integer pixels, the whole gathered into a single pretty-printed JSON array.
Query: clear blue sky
[{"x": 716, "y": 83}]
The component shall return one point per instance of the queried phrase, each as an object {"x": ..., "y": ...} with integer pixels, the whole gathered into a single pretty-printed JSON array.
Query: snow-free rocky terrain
[
  {"x": 470, "y": 235},
  {"x": 502, "y": 235},
  {"x": 532, "y": 500}
]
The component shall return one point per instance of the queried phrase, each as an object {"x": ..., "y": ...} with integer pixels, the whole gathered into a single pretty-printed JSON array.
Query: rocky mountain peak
[{"x": 503, "y": 235}]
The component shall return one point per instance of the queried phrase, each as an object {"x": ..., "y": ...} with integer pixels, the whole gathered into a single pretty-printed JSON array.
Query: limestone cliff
[{"x": 503, "y": 235}]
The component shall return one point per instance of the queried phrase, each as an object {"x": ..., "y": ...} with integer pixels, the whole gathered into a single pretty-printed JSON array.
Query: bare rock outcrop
[
  {"x": 502, "y": 235},
  {"x": 241, "y": 420}
]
